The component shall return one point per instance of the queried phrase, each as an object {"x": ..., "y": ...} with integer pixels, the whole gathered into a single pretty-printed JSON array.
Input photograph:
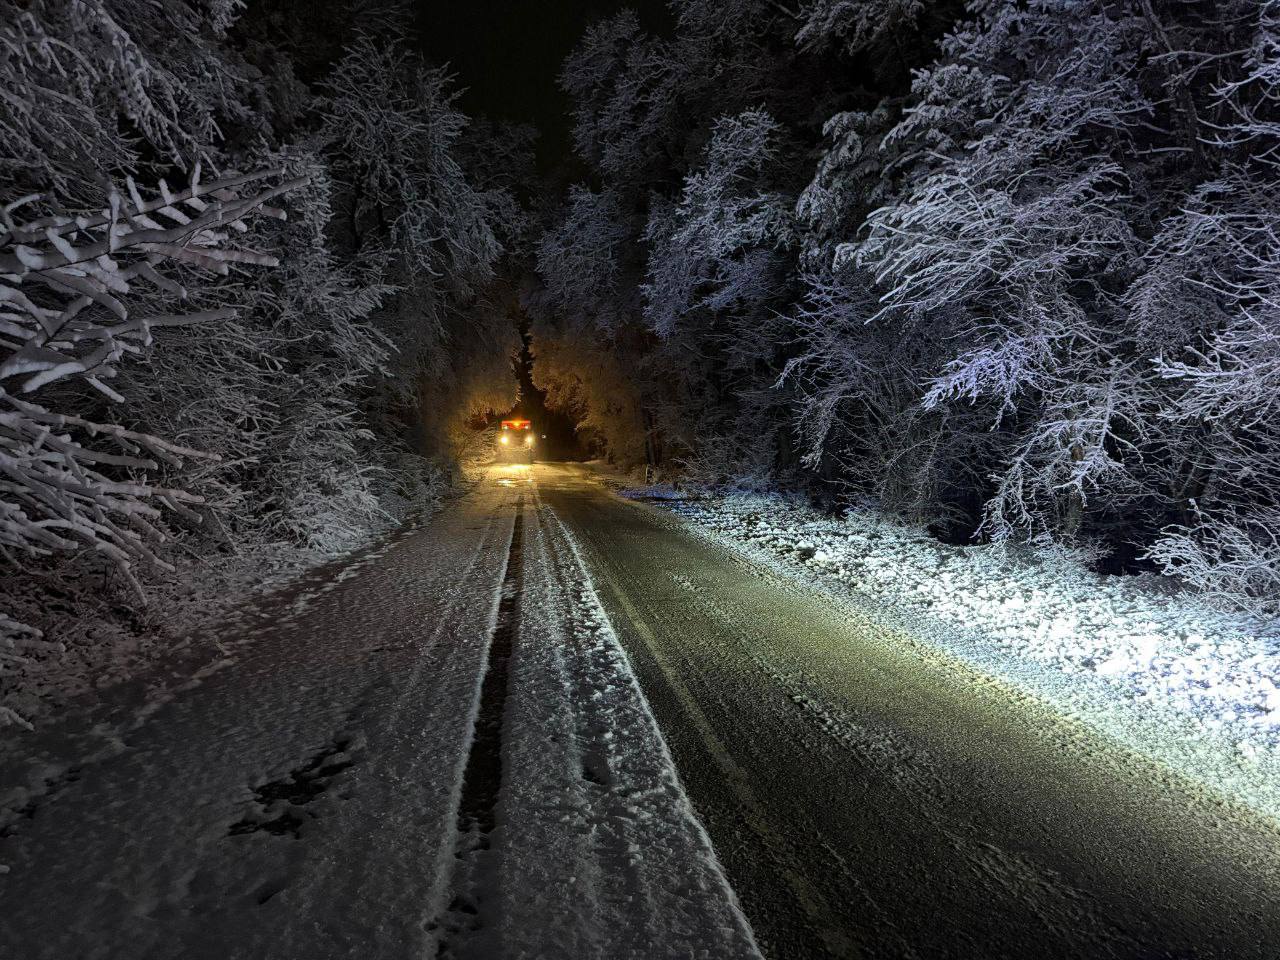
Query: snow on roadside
[
  {"x": 1104, "y": 645},
  {"x": 656, "y": 491},
  {"x": 90, "y": 655}
]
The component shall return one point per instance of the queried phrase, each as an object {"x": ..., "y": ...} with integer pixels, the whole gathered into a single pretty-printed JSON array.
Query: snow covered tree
[
  {"x": 999, "y": 240},
  {"x": 581, "y": 261},
  {"x": 175, "y": 417},
  {"x": 686, "y": 234},
  {"x": 96, "y": 86},
  {"x": 1205, "y": 307},
  {"x": 1060, "y": 242},
  {"x": 414, "y": 217},
  {"x": 96, "y": 273},
  {"x": 719, "y": 272},
  {"x": 713, "y": 249}
]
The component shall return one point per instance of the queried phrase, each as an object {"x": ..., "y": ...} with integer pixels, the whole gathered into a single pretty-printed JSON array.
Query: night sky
[{"x": 507, "y": 55}]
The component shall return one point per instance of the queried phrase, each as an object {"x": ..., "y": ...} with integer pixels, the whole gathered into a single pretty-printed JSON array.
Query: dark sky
[{"x": 507, "y": 53}]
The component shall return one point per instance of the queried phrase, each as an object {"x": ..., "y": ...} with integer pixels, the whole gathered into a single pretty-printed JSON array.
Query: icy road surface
[{"x": 441, "y": 749}]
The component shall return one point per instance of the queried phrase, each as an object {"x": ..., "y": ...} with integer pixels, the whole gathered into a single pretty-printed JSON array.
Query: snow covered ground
[
  {"x": 437, "y": 750},
  {"x": 1193, "y": 686},
  {"x": 43, "y": 675}
]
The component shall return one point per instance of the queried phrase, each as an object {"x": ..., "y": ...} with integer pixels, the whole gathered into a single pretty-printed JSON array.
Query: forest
[{"x": 1008, "y": 270}]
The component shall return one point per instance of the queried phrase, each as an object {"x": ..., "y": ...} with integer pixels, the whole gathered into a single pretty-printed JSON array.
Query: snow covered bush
[
  {"x": 81, "y": 296},
  {"x": 94, "y": 271}
]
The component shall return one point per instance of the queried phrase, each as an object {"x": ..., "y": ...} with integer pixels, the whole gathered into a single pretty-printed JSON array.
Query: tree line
[
  {"x": 1008, "y": 269},
  {"x": 248, "y": 296}
]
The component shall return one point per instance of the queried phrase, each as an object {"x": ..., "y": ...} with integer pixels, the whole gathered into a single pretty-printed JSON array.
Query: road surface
[{"x": 439, "y": 749}]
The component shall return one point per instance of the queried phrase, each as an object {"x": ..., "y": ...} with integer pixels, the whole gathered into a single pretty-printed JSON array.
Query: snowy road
[
  {"x": 439, "y": 749},
  {"x": 318, "y": 792},
  {"x": 871, "y": 796}
]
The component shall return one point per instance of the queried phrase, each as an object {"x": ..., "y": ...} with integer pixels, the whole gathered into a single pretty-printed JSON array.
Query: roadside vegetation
[
  {"x": 1007, "y": 271},
  {"x": 248, "y": 297},
  {"x": 1004, "y": 271}
]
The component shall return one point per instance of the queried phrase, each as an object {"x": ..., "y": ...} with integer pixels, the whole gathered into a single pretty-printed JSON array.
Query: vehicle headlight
[
  {"x": 503, "y": 439},
  {"x": 528, "y": 441}
]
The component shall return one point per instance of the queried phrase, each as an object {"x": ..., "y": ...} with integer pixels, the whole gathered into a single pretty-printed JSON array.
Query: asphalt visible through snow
[
  {"x": 871, "y": 797},
  {"x": 439, "y": 748}
]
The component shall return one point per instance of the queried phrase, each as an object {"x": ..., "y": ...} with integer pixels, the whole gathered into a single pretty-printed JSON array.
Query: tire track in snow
[
  {"x": 824, "y": 915},
  {"x": 482, "y": 775},
  {"x": 632, "y": 872},
  {"x": 482, "y": 778},
  {"x": 135, "y": 858},
  {"x": 437, "y": 677}
]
